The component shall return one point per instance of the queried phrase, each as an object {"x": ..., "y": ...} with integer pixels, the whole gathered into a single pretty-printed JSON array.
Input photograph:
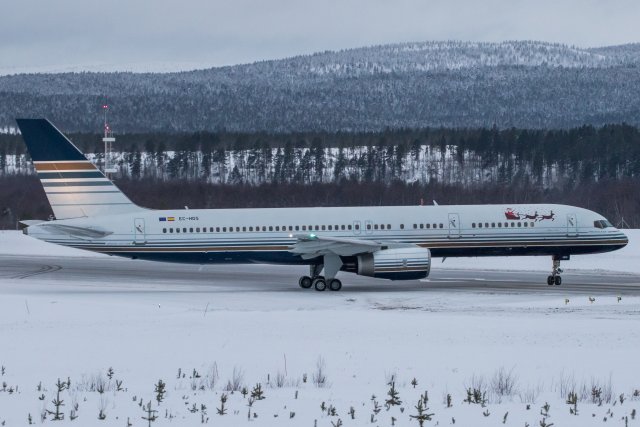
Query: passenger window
[
  {"x": 197, "y": 229},
  {"x": 375, "y": 226},
  {"x": 244, "y": 228},
  {"x": 427, "y": 226},
  {"x": 342, "y": 228},
  {"x": 177, "y": 230},
  {"x": 164, "y": 230},
  {"x": 217, "y": 229},
  {"x": 277, "y": 228},
  {"x": 204, "y": 229},
  {"x": 184, "y": 229},
  {"x": 479, "y": 225},
  {"x": 415, "y": 226},
  {"x": 473, "y": 225},
  {"x": 270, "y": 228},
  {"x": 493, "y": 225},
  {"x": 304, "y": 228},
  {"x": 191, "y": 230},
  {"x": 171, "y": 230},
  {"x": 422, "y": 226},
  {"x": 388, "y": 226},
  {"x": 238, "y": 229},
  {"x": 368, "y": 226},
  {"x": 519, "y": 224},
  {"x": 264, "y": 228},
  {"x": 499, "y": 225},
  {"x": 435, "y": 225},
  {"x": 486, "y": 225},
  {"x": 250, "y": 228},
  {"x": 441, "y": 225},
  {"x": 298, "y": 227},
  {"x": 210, "y": 229},
  {"x": 513, "y": 224},
  {"x": 323, "y": 228},
  {"x": 224, "y": 229},
  {"x": 349, "y": 227},
  {"x": 532, "y": 224},
  {"x": 401, "y": 226},
  {"x": 526, "y": 224}
]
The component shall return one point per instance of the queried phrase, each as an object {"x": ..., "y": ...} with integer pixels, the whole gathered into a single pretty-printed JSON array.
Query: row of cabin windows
[
  {"x": 427, "y": 226},
  {"x": 262, "y": 228},
  {"x": 500, "y": 225},
  {"x": 293, "y": 228}
]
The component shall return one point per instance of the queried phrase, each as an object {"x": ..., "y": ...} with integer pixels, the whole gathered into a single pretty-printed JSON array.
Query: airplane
[{"x": 390, "y": 242}]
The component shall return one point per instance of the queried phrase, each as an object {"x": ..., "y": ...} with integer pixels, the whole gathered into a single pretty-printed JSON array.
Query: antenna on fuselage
[{"x": 108, "y": 140}]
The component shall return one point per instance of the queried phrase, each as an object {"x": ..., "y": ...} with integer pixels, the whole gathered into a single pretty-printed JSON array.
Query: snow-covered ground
[{"x": 194, "y": 339}]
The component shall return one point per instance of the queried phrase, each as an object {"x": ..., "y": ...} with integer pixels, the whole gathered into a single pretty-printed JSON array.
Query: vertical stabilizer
[{"x": 74, "y": 186}]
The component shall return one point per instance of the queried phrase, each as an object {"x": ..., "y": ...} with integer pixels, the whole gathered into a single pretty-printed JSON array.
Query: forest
[
  {"x": 410, "y": 85},
  {"x": 593, "y": 167}
]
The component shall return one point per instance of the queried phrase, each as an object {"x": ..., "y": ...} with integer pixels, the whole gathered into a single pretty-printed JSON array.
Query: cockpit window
[{"x": 602, "y": 223}]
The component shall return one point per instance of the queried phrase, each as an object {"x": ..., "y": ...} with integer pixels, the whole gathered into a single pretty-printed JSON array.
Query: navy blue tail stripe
[
  {"x": 76, "y": 184},
  {"x": 46, "y": 143},
  {"x": 54, "y": 175}
]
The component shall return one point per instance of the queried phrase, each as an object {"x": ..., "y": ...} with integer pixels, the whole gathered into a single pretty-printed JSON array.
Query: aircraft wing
[{"x": 311, "y": 246}]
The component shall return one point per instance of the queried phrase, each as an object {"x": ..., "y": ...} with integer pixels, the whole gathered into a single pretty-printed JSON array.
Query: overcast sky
[{"x": 55, "y": 35}]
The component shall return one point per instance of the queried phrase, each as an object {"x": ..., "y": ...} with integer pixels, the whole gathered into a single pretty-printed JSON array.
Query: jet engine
[{"x": 395, "y": 264}]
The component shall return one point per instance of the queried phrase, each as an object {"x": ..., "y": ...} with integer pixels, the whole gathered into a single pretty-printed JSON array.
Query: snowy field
[{"x": 319, "y": 358}]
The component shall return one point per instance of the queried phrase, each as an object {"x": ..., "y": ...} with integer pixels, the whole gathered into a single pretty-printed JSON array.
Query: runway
[{"x": 104, "y": 274}]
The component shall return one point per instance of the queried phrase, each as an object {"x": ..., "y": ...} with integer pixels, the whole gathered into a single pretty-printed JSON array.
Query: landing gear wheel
[
  {"x": 319, "y": 284},
  {"x": 305, "y": 282},
  {"x": 550, "y": 280},
  {"x": 335, "y": 285},
  {"x": 558, "y": 280}
]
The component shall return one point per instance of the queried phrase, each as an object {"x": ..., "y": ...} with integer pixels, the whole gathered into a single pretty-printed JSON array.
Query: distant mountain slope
[{"x": 453, "y": 84}]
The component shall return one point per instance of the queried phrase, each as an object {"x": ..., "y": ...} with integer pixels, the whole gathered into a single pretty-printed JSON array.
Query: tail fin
[{"x": 74, "y": 186}]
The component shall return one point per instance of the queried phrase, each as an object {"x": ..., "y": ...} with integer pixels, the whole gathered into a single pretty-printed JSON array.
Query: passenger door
[
  {"x": 572, "y": 225},
  {"x": 454, "y": 226},
  {"x": 139, "y": 231}
]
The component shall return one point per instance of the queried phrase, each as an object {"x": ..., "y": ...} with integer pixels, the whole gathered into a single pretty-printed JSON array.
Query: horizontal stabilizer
[
  {"x": 30, "y": 222},
  {"x": 80, "y": 232}
]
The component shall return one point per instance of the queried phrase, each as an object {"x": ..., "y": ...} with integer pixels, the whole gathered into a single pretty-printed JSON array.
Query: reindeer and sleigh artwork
[{"x": 514, "y": 215}]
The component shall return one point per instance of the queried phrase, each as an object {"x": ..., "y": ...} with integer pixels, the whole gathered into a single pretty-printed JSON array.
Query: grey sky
[{"x": 46, "y": 35}]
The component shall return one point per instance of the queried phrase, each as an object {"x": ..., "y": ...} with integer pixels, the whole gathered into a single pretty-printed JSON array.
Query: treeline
[
  {"x": 596, "y": 168},
  {"x": 547, "y": 157},
  {"x": 22, "y": 197}
]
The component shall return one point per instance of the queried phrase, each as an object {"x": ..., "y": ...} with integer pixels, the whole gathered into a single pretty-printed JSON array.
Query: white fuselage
[{"x": 266, "y": 235}]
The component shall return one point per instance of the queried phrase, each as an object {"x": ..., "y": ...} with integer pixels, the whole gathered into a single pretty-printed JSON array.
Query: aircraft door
[
  {"x": 368, "y": 226},
  {"x": 356, "y": 227},
  {"x": 454, "y": 226},
  {"x": 572, "y": 225},
  {"x": 139, "y": 231}
]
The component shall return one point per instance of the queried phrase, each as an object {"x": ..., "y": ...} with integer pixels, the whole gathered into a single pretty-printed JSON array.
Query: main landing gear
[
  {"x": 554, "y": 278},
  {"x": 320, "y": 283}
]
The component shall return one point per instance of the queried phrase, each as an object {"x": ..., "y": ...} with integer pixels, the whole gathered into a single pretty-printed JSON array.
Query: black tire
[
  {"x": 320, "y": 284},
  {"x": 335, "y": 285},
  {"x": 550, "y": 280},
  {"x": 558, "y": 281},
  {"x": 305, "y": 282}
]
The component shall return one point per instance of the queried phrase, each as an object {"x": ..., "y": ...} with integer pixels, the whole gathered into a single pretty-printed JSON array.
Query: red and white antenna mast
[{"x": 108, "y": 140}]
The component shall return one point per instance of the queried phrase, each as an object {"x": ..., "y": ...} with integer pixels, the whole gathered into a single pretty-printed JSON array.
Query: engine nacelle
[{"x": 396, "y": 264}]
